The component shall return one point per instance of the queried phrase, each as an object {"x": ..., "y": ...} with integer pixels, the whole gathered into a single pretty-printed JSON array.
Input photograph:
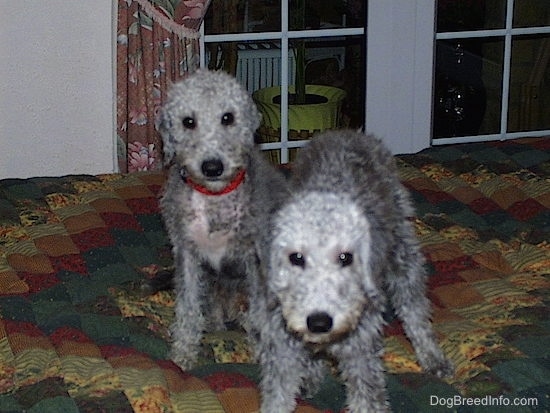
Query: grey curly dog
[
  {"x": 335, "y": 253},
  {"x": 218, "y": 186}
]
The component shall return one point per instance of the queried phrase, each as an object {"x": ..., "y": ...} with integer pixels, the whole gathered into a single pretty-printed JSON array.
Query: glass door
[
  {"x": 492, "y": 70},
  {"x": 312, "y": 50}
]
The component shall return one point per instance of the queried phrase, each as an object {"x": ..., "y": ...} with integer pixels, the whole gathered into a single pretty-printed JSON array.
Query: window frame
[
  {"x": 507, "y": 33},
  {"x": 401, "y": 37},
  {"x": 284, "y": 36}
]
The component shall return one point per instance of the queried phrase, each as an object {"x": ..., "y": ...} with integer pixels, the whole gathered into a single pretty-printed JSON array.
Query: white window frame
[{"x": 284, "y": 35}]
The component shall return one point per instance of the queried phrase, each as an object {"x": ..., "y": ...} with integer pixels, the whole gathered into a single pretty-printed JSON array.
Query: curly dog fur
[
  {"x": 218, "y": 186},
  {"x": 335, "y": 253}
]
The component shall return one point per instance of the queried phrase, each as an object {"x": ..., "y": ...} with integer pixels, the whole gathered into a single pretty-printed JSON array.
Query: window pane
[
  {"x": 325, "y": 14},
  {"x": 528, "y": 13},
  {"x": 333, "y": 72},
  {"x": 468, "y": 95},
  {"x": 235, "y": 16},
  {"x": 460, "y": 15},
  {"x": 336, "y": 62},
  {"x": 529, "y": 107},
  {"x": 255, "y": 64},
  {"x": 333, "y": 61}
]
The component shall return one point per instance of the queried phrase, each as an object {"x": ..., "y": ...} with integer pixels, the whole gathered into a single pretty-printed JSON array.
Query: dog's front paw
[
  {"x": 440, "y": 367},
  {"x": 366, "y": 404},
  {"x": 185, "y": 363},
  {"x": 433, "y": 361},
  {"x": 184, "y": 355}
]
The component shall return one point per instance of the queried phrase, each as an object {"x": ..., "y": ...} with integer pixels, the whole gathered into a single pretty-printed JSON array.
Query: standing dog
[
  {"x": 218, "y": 185},
  {"x": 336, "y": 252}
]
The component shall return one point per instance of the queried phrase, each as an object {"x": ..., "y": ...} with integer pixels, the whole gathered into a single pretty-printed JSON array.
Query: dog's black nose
[
  {"x": 319, "y": 322},
  {"x": 212, "y": 168}
]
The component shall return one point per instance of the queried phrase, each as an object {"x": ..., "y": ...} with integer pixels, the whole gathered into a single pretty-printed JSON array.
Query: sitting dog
[
  {"x": 335, "y": 253},
  {"x": 218, "y": 186}
]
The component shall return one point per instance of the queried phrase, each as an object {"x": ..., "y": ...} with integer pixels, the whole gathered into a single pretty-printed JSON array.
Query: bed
[{"x": 78, "y": 334}]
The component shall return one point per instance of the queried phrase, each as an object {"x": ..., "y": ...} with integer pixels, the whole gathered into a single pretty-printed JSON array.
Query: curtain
[{"x": 157, "y": 44}]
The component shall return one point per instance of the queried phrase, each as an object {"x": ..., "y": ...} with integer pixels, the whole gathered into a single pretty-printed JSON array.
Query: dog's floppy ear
[
  {"x": 164, "y": 125},
  {"x": 369, "y": 260},
  {"x": 255, "y": 116}
]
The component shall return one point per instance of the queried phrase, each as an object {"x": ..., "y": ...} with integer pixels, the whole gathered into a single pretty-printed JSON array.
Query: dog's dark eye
[
  {"x": 345, "y": 259},
  {"x": 228, "y": 119},
  {"x": 297, "y": 259},
  {"x": 189, "y": 123}
]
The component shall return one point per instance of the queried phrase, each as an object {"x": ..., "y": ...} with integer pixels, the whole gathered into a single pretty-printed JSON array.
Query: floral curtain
[{"x": 157, "y": 44}]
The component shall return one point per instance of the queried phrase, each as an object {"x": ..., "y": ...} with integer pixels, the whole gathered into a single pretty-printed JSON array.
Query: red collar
[{"x": 239, "y": 178}]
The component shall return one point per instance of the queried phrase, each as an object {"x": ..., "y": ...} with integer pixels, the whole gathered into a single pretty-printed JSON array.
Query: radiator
[{"x": 259, "y": 64}]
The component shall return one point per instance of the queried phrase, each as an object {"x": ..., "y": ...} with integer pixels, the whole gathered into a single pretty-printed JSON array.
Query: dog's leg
[
  {"x": 414, "y": 312},
  {"x": 362, "y": 370},
  {"x": 187, "y": 329},
  {"x": 282, "y": 361},
  {"x": 408, "y": 296}
]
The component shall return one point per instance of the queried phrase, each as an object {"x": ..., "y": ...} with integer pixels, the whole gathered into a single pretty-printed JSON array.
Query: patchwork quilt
[{"x": 78, "y": 334}]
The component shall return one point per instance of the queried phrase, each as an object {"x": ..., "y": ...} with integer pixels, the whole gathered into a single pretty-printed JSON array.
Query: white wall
[
  {"x": 400, "y": 55},
  {"x": 56, "y": 88}
]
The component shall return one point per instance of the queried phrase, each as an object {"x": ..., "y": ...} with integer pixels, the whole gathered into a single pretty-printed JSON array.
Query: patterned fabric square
[
  {"x": 93, "y": 238},
  {"x": 525, "y": 210},
  {"x": 56, "y": 245}
]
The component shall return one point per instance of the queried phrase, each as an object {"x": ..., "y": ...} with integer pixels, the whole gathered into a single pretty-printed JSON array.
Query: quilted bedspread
[{"x": 77, "y": 334}]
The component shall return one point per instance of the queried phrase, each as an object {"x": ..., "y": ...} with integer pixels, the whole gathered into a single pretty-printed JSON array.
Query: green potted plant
[
  {"x": 298, "y": 21},
  {"x": 312, "y": 108}
]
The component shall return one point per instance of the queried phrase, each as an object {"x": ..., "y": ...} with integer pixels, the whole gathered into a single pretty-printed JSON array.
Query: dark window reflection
[
  {"x": 461, "y": 15},
  {"x": 468, "y": 84},
  {"x": 244, "y": 16},
  {"x": 529, "y": 107},
  {"x": 531, "y": 13}
]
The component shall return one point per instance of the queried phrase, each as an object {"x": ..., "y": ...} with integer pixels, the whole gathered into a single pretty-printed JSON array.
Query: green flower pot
[{"x": 301, "y": 118}]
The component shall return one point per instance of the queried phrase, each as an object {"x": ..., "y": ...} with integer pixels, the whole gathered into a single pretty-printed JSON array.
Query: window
[
  {"x": 492, "y": 77},
  {"x": 273, "y": 45}
]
